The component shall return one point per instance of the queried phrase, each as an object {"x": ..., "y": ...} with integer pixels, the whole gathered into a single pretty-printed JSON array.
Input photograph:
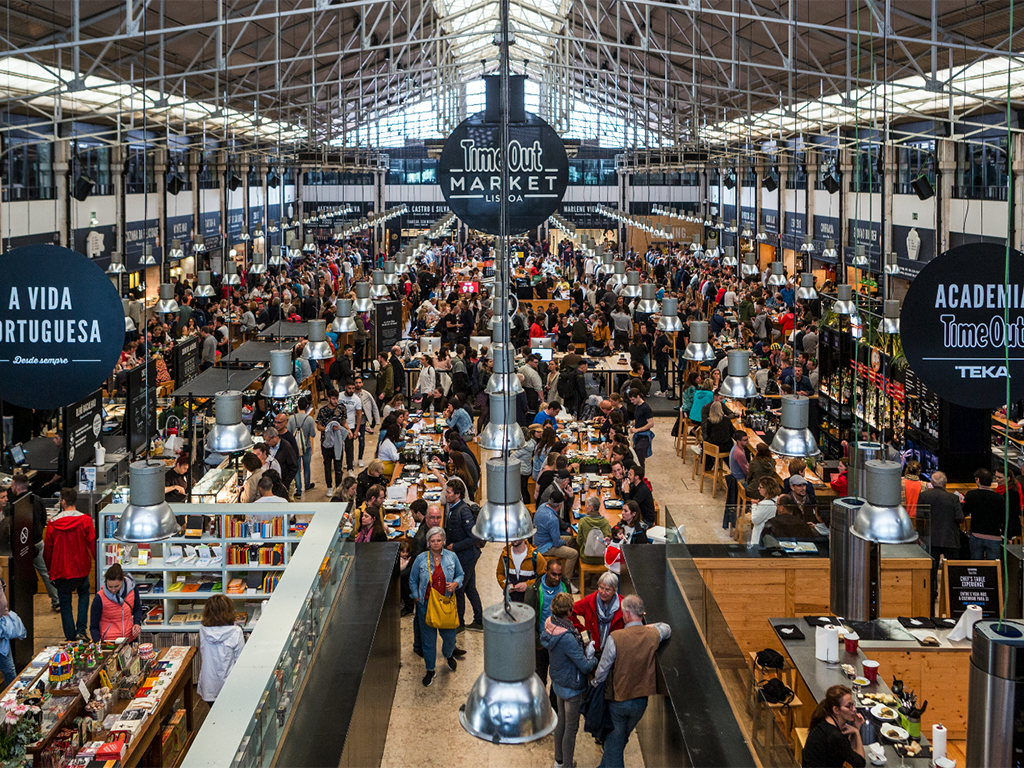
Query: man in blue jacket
[
  {"x": 549, "y": 540},
  {"x": 459, "y": 532}
]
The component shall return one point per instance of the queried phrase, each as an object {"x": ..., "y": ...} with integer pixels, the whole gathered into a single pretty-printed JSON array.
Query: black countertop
[{"x": 889, "y": 551}]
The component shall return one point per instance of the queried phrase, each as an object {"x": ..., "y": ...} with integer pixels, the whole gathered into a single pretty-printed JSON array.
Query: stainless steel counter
[{"x": 819, "y": 676}]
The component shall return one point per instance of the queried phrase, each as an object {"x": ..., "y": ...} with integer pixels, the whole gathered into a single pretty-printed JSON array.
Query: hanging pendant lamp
[
  {"x": 147, "y": 516},
  {"x": 280, "y": 383},
  {"x": 631, "y": 288},
  {"x": 231, "y": 273},
  {"x": 129, "y": 324},
  {"x": 363, "y": 303},
  {"x": 343, "y": 321},
  {"x": 147, "y": 258},
  {"x": 729, "y": 259},
  {"x": 229, "y": 435},
  {"x": 844, "y": 300},
  {"x": 502, "y": 433},
  {"x": 166, "y": 304},
  {"x": 317, "y": 347},
  {"x": 891, "y": 316},
  {"x": 258, "y": 266},
  {"x": 749, "y": 268},
  {"x": 882, "y": 518},
  {"x": 806, "y": 291},
  {"x": 205, "y": 288},
  {"x": 379, "y": 291},
  {"x": 737, "y": 384},
  {"x": 860, "y": 258},
  {"x": 504, "y": 511},
  {"x": 504, "y": 376},
  {"x": 698, "y": 350},
  {"x": 777, "y": 279},
  {"x": 794, "y": 439},
  {"x": 116, "y": 266},
  {"x": 670, "y": 322},
  {"x": 648, "y": 303}
]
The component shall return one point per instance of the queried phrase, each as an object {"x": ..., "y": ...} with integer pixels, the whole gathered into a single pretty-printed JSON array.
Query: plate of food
[
  {"x": 861, "y": 681},
  {"x": 879, "y": 698},
  {"x": 607, "y": 484},
  {"x": 884, "y": 713},
  {"x": 411, "y": 467},
  {"x": 893, "y": 733},
  {"x": 613, "y": 503},
  {"x": 393, "y": 519}
]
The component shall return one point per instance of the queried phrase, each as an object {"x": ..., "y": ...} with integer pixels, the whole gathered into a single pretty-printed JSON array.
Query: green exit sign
[{"x": 915, "y": 215}]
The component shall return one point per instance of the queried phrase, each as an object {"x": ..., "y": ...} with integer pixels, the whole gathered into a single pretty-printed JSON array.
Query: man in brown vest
[{"x": 628, "y": 656}]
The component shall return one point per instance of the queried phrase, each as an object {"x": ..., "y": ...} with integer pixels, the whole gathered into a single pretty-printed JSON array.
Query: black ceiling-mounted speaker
[
  {"x": 175, "y": 184},
  {"x": 273, "y": 180},
  {"x": 730, "y": 179},
  {"x": 770, "y": 180},
  {"x": 234, "y": 182},
  {"x": 923, "y": 187},
  {"x": 831, "y": 183},
  {"x": 83, "y": 188}
]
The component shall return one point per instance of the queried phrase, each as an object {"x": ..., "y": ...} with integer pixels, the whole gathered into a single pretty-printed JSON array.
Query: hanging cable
[{"x": 1006, "y": 309}]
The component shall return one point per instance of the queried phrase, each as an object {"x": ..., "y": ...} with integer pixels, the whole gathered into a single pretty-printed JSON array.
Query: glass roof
[{"x": 472, "y": 24}]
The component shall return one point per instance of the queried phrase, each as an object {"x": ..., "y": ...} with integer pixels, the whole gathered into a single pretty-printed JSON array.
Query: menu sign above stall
[
  {"x": 958, "y": 319},
  {"x": 61, "y": 326},
  {"x": 470, "y": 173}
]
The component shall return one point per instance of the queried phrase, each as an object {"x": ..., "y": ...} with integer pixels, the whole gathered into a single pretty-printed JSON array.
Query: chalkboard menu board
[
  {"x": 387, "y": 326},
  {"x": 135, "y": 408},
  {"x": 186, "y": 360},
  {"x": 973, "y": 582},
  {"x": 83, "y": 423}
]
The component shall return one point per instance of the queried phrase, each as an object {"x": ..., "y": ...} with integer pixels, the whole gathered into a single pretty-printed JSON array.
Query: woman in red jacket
[
  {"x": 839, "y": 482},
  {"x": 600, "y": 612},
  {"x": 117, "y": 607}
]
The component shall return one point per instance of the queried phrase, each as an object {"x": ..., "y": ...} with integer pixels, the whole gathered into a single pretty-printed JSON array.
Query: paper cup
[
  {"x": 870, "y": 670},
  {"x": 852, "y": 641}
]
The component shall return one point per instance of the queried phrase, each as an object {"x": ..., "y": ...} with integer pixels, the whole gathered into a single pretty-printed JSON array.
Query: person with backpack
[
  {"x": 519, "y": 566},
  {"x": 572, "y": 389},
  {"x": 303, "y": 427}
]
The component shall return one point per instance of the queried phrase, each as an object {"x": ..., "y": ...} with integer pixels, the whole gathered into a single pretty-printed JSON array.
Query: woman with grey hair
[
  {"x": 600, "y": 612},
  {"x": 437, "y": 568}
]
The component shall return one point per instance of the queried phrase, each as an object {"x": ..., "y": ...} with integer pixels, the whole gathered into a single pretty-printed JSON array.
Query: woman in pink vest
[{"x": 117, "y": 607}]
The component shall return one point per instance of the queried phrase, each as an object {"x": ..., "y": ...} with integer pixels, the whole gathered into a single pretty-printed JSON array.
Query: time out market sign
[
  {"x": 61, "y": 326},
  {"x": 959, "y": 316},
  {"x": 469, "y": 173}
]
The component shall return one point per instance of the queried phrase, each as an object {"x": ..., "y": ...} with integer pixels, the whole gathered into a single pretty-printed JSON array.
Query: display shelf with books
[{"x": 177, "y": 575}]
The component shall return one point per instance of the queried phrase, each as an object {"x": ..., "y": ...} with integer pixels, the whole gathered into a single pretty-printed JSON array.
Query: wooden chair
[
  {"x": 710, "y": 450},
  {"x": 758, "y": 676},
  {"x": 742, "y": 512},
  {"x": 585, "y": 568}
]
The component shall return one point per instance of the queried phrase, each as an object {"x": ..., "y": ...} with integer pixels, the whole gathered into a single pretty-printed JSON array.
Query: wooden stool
[
  {"x": 711, "y": 450},
  {"x": 683, "y": 441},
  {"x": 758, "y": 676},
  {"x": 583, "y": 569}
]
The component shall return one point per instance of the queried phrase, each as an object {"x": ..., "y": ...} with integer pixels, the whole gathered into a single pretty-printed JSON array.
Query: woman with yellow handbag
[{"x": 434, "y": 577}]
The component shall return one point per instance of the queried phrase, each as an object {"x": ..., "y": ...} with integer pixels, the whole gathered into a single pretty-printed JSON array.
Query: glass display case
[
  {"x": 252, "y": 711},
  {"x": 218, "y": 486}
]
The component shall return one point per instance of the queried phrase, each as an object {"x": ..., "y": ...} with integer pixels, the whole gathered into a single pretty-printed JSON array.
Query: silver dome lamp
[
  {"x": 166, "y": 304},
  {"x": 147, "y": 516},
  {"x": 116, "y": 266},
  {"x": 892, "y": 267},
  {"x": 198, "y": 243},
  {"x": 793, "y": 438},
  {"x": 777, "y": 279},
  {"x": 343, "y": 321},
  {"x": 129, "y": 324},
  {"x": 504, "y": 376},
  {"x": 175, "y": 252},
  {"x": 808, "y": 244},
  {"x": 276, "y": 259},
  {"x": 280, "y": 383},
  {"x": 205, "y": 289},
  {"x": 147, "y": 257},
  {"x": 737, "y": 384},
  {"x": 648, "y": 303},
  {"x": 317, "y": 347},
  {"x": 698, "y": 350},
  {"x": 806, "y": 291},
  {"x": 362, "y": 302},
  {"x": 712, "y": 251},
  {"x": 229, "y": 435},
  {"x": 891, "y": 316},
  {"x": 618, "y": 276},
  {"x": 860, "y": 258},
  {"x": 729, "y": 259},
  {"x": 670, "y": 322},
  {"x": 390, "y": 273},
  {"x": 258, "y": 266},
  {"x": 508, "y": 704},
  {"x": 231, "y": 273},
  {"x": 631, "y": 288},
  {"x": 844, "y": 300},
  {"x": 882, "y": 519},
  {"x": 830, "y": 250},
  {"x": 749, "y": 268},
  {"x": 502, "y": 433},
  {"x": 503, "y": 513},
  {"x": 379, "y": 291}
]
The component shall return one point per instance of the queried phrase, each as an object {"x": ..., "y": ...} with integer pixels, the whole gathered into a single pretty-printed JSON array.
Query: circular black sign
[
  {"x": 61, "y": 326},
  {"x": 955, "y": 320},
  {"x": 469, "y": 173}
]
